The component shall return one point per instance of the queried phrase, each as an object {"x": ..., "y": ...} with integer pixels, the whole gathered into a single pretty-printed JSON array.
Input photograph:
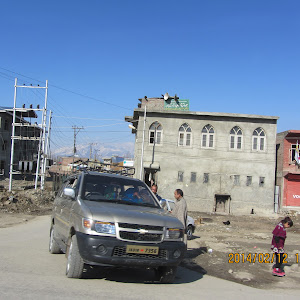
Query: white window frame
[
  {"x": 184, "y": 134},
  {"x": 207, "y": 136},
  {"x": 155, "y": 133},
  {"x": 259, "y": 139},
  {"x": 236, "y": 137},
  {"x": 292, "y": 152}
]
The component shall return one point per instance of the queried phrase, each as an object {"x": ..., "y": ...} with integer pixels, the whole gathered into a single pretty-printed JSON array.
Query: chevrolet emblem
[{"x": 142, "y": 231}]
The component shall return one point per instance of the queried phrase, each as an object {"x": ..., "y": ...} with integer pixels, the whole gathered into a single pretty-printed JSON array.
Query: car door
[
  {"x": 66, "y": 208},
  {"x": 57, "y": 212}
]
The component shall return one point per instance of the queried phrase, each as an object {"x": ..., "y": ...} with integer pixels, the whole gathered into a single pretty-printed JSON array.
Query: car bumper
[{"x": 99, "y": 250}]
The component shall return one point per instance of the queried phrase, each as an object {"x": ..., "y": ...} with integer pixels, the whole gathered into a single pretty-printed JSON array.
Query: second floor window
[
  {"x": 185, "y": 135},
  {"x": 208, "y": 134},
  {"x": 155, "y": 133},
  {"x": 236, "y": 138},
  {"x": 258, "y": 139},
  {"x": 294, "y": 153}
]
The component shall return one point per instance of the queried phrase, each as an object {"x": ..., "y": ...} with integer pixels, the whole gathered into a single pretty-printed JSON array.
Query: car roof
[{"x": 94, "y": 173}]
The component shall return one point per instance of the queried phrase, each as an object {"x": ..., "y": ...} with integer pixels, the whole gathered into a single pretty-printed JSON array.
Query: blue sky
[{"x": 101, "y": 56}]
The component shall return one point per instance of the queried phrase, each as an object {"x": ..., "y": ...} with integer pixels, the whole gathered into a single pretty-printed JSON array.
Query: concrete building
[
  {"x": 25, "y": 154},
  {"x": 288, "y": 169},
  {"x": 223, "y": 162}
]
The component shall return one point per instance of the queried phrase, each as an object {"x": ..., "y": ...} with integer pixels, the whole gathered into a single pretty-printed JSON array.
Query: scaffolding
[{"x": 43, "y": 138}]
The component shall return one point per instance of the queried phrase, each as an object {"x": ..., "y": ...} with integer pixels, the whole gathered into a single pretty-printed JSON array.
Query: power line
[
  {"x": 87, "y": 118},
  {"x": 69, "y": 91},
  {"x": 107, "y": 125}
]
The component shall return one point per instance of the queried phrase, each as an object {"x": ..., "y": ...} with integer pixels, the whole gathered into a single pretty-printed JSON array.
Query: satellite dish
[{"x": 166, "y": 96}]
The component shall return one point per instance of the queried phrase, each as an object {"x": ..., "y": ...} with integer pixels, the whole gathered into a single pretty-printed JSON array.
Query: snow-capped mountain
[{"x": 98, "y": 151}]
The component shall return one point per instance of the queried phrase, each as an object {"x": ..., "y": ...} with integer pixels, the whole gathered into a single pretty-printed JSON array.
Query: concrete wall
[{"x": 221, "y": 163}]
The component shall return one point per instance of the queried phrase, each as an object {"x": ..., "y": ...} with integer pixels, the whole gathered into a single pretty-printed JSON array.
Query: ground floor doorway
[
  {"x": 150, "y": 176},
  {"x": 222, "y": 204}
]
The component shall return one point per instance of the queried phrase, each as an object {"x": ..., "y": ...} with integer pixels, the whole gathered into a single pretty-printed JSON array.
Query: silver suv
[{"x": 111, "y": 220}]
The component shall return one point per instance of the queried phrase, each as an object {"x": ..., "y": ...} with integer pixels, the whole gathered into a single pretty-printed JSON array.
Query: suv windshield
[{"x": 118, "y": 190}]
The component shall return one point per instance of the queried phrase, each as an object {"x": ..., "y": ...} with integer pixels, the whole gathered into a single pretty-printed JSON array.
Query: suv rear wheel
[{"x": 75, "y": 264}]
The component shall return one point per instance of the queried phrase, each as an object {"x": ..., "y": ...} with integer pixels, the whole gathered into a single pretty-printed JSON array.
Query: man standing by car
[
  {"x": 180, "y": 209},
  {"x": 154, "y": 191}
]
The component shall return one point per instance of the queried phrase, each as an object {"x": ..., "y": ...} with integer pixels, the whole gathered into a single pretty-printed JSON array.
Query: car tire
[
  {"x": 166, "y": 274},
  {"x": 189, "y": 232},
  {"x": 53, "y": 246},
  {"x": 75, "y": 264}
]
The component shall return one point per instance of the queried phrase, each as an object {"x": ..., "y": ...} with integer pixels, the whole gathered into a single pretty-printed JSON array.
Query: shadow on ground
[{"x": 138, "y": 275}]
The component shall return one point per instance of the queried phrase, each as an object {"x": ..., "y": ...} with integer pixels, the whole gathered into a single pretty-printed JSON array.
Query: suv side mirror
[
  {"x": 163, "y": 202},
  {"x": 69, "y": 192}
]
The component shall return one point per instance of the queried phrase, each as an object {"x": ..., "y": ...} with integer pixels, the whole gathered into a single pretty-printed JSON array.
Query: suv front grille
[
  {"x": 140, "y": 232},
  {"x": 137, "y": 226},
  {"x": 135, "y": 236},
  {"x": 120, "y": 251}
]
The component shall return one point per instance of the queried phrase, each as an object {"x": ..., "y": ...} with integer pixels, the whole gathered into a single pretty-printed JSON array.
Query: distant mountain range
[{"x": 100, "y": 151}]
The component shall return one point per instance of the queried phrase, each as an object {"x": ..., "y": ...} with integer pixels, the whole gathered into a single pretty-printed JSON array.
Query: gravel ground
[{"x": 223, "y": 250}]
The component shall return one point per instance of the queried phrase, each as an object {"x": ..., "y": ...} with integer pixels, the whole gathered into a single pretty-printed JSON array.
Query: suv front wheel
[
  {"x": 75, "y": 264},
  {"x": 53, "y": 246}
]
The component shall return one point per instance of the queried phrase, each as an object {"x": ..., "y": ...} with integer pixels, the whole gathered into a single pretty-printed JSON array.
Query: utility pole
[
  {"x": 41, "y": 151},
  {"x": 91, "y": 149},
  {"x": 12, "y": 140},
  {"x": 46, "y": 153},
  {"x": 96, "y": 151},
  {"x": 76, "y": 131}
]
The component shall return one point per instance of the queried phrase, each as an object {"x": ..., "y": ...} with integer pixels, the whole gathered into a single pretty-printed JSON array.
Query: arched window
[
  {"x": 208, "y": 135},
  {"x": 236, "y": 138},
  {"x": 155, "y": 133},
  {"x": 258, "y": 140},
  {"x": 185, "y": 135}
]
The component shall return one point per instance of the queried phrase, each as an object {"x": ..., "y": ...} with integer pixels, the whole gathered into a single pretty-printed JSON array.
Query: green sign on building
[{"x": 180, "y": 104}]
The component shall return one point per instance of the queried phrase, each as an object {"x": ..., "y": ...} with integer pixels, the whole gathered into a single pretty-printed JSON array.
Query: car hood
[{"x": 122, "y": 213}]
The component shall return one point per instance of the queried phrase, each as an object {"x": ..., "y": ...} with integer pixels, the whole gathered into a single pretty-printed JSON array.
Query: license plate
[{"x": 142, "y": 249}]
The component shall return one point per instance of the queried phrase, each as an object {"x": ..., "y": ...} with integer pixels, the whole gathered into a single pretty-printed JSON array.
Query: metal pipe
[
  {"x": 143, "y": 141},
  {"x": 12, "y": 139}
]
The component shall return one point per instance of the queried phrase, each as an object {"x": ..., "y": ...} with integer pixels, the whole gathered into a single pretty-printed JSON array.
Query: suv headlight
[
  {"x": 101, "y": 227},
  {"x": 105, "y": 227},
  {"x": 174, "y": 233}
]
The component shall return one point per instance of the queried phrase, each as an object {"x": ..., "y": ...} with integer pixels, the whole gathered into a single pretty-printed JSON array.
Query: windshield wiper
[
  {"x": 121, "y": 201},
  {"x": 148, "y": 205}
]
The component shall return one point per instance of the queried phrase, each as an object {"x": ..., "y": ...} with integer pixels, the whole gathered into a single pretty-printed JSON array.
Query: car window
[
  {"x": 123, "y": 190},
  {"x": 70, "y": 183}
]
